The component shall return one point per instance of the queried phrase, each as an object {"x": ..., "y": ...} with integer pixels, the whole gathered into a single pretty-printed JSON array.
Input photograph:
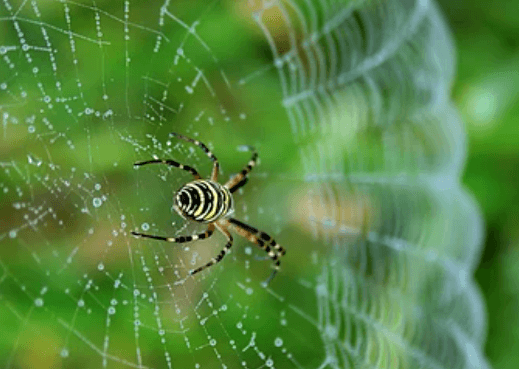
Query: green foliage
[{"x": 487, "y": 38}]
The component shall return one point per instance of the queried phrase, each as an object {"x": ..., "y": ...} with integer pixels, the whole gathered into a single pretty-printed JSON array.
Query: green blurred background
[{"x": 486, "y": 91}]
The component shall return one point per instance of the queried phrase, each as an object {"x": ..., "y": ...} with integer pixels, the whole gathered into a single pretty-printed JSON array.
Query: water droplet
[
  {"x": 331, "y": 332},
  {"x": 321, "y": 290},
  {"x": 278, "y": 342},
  {"x": 34, "y": 161},
  {"x": 38, "y": 302},
  {"x": 244, "y": 148},
  {"x": 97, "y": 202}
]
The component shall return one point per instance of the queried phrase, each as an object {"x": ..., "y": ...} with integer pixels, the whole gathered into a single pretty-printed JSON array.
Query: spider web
[{"x": 360, "y": 152}]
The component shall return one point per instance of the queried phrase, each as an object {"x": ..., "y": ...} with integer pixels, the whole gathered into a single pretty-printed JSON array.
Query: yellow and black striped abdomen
[{"x": 203, "y": 201}]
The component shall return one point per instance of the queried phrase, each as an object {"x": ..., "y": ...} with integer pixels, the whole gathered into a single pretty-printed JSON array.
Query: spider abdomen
[{"x": 203, "y": 201}]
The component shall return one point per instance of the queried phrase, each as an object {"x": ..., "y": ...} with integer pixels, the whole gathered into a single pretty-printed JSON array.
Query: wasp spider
[{"x": 207, "y": 201}]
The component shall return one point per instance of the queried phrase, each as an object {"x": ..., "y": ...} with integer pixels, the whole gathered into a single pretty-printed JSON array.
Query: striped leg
[
  {"x": 240, "y": 185},
  {"x": 222, "y": 253},
  {"x": 262, "y": 236},
  {"x": 172, "y": 163},
  {"x": 263, "y": 240},
  {"x": 241, "y": 178},
  {"x": 180, "y": 239},
  {"x": 216, "y": 165}
]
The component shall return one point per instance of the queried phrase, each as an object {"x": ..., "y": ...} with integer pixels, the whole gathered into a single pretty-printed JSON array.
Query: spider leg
[
  {"x": 262, "y": 236},
  {"x": 216, "y": 165},
  {"x": 181, "y": 239},
  {"x": 241, "y": 178},
  {"x": 263, "y": 240},
  {"x": 239, "y": 185},
  {"x": 222, "y": 253},
  {"x": 173, "y": 163}
]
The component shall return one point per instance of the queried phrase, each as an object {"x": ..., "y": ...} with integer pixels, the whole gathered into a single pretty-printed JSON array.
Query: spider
[{"x": 207, "y": 201}]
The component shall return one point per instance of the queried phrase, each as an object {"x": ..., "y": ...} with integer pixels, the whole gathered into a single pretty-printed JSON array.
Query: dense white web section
[{"x": 360, "y": 149}]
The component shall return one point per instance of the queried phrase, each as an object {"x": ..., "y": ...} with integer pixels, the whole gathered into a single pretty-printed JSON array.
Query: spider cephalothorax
[{"x": 207, "y": 201}]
